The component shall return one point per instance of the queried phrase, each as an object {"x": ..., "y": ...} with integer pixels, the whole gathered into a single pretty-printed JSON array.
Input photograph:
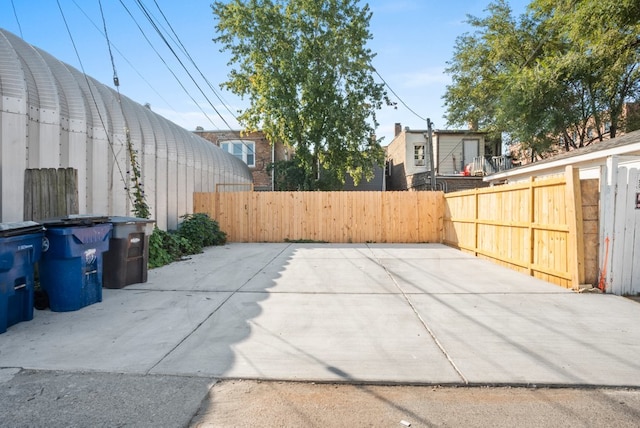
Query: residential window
[
  {"x": 418, "y": 155},
  {"x": 243, "y": 150}
]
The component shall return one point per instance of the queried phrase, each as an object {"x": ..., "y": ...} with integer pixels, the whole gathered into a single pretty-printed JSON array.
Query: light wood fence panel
[
  {"x": 339, "y": 217},
  {"x": 533, "y": 227}
]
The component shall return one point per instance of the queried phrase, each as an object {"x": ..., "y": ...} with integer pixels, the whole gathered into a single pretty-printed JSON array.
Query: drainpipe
[
  {"x": 430, "y": 148},
  {"x": 273, "y": 167}
]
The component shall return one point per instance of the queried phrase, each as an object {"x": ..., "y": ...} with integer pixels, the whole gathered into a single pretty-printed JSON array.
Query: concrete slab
[
  {"x": 449, "y": 274},
  {"x": 307, "y": 270},
  {"x": 224, "y": 268},
  {"x": 356, "y": 312},
  {"x": 555, "y": 339},
  {"x": 324, "y": 337},
  {"x": 130, "y": 331}
]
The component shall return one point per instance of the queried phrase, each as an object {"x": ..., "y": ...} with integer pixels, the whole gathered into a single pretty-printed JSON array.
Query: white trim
[{"x": 602, "y": 155}]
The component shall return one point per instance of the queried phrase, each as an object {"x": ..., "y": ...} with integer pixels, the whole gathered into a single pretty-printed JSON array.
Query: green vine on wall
[{"x": 140, "y": 206}]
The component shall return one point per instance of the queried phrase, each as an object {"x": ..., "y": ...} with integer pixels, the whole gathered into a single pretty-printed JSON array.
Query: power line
[
  {"x": 124, "y": 57},
  {"x": 17, "y": 20},
  {"x": 95, "y": 102},
  {"x": 398, "y": 97},
  {"x": 164, "y": 39},
  {"x": 116, "y": 82},
  {"x": 186, "y": 52},
  {"x": 167, "y": 65}
]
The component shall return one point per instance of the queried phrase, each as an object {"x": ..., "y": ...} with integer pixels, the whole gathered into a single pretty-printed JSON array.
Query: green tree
[
  {"x": 603, "y": 51},
  {"x": 306, "y": 70},
  {"x": 548, "y": 76}
]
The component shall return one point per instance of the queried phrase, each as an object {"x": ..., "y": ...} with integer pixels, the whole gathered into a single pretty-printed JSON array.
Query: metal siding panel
[
  {"x": 12, "y": 78},
  {"x": 51, "y": 99},
  {"x": 182, "y": 192},
  {"x": 13, "y": 155},
  {"x": 117, "y": 156}
]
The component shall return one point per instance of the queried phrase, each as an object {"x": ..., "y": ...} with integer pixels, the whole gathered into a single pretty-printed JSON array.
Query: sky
[{"x": 413, "y": 40}]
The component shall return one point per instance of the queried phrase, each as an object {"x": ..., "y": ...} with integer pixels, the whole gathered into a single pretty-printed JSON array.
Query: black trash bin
[
  {"x": 72, "y": 261},
  {"x": 20, "y": 249},
  {"x": 127, "y": 260}
]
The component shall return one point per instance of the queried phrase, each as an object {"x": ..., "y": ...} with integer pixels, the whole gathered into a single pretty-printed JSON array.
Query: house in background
[
  {"x": 376, "y": 184},
  {"x": 408, "y": 159},
  {"x": 253, "y": 149}
]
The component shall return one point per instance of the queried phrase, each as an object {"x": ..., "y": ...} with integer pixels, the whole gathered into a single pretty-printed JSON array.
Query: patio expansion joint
[
  {"x": 217, "y": 308},
  {"x": 423, "y": 322}
]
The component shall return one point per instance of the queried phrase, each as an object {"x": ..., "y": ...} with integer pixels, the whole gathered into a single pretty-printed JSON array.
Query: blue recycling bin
[
  {"x": 71, "y": 263},
  {"x": 20, "y": 249}
]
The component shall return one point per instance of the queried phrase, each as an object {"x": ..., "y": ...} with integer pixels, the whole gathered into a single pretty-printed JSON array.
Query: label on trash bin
[
  {"x": 45, "y": 244},
  {"x": 90, "y": 256},
  {"x": 135, "y": 240}
]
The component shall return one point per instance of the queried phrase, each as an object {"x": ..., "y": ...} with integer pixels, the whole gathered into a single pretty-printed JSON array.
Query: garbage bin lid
[
  {"x": 129, "y": 220},
  {"x": 19, "y": 228},
  {"x": 75, "y": 220}
]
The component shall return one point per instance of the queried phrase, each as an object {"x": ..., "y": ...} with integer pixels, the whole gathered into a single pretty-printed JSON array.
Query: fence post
[
  {"x": 475, "y": 222},
  {"x": 575, "y": 246},
  {"x": 532, "y": 220}
]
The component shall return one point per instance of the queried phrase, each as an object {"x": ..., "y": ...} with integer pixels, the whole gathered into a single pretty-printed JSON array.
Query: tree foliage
[
  {"x": 553, "y": 75},
  {"x": 305, "y": 68}
]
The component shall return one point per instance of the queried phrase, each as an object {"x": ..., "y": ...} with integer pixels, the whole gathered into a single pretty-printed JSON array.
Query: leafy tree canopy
[
  {"x": 553, "y": 75},
  {"x": 305, "y": 68}
]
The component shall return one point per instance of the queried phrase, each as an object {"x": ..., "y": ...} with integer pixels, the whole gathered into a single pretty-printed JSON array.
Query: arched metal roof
[{"x": 53, "y": 116}]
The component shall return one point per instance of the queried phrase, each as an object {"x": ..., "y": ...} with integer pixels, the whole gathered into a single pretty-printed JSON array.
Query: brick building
[{"x": 254, "y": 149}]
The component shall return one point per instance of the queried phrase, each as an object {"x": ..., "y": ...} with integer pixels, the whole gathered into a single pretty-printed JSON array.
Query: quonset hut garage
[{"x": 53, "y": 116}]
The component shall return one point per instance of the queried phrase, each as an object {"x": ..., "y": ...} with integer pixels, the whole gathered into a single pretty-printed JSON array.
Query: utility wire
[
  {"x": 164, "y": 39},
  {"x": 116, "y": 82},
  {"x": 124, "y": 57},
  {"x": 167, "y": 65},
  {"x": 95, "y": 102},
  {"x": 398, "y": 97},
  {"x": 186, "y": 52},
  {"x": 17, "y": 20},
  {"x": 136, "y": 199}
]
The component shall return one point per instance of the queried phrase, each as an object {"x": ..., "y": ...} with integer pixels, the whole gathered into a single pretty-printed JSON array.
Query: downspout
[{"x": 273, "y": 167}]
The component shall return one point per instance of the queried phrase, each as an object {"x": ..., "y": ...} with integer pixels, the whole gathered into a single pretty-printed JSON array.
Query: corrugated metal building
[{"x": 53, "y": 116}]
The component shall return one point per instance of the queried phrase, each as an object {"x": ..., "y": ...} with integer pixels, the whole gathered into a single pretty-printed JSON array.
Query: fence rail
[
  {"x": 340, "y": 217},
  {"x": 534, "y": 227}
]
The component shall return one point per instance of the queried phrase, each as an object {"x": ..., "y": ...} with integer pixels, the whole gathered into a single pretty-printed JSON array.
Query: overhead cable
[
  {"x": 167, "y": 65},
  {"x": 164, "y": 39},
  {"x": 17, "y": 20},
  {"x": 398, "y": 97},
  {"x": 95, "y": 102},
  {"x": 124, "y": 57},
  {"x": 186, "y": 52}
]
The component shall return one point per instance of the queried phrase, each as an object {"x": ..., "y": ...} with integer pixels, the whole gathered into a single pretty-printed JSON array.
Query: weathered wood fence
[
  {"x": 534, "y": 227},
  {"x": 338, "y": 217},
  {"x": 50, "y": 192}
]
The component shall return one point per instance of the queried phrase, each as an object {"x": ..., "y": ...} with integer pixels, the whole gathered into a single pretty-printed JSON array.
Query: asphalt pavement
[{"x": 358, "y": 314}]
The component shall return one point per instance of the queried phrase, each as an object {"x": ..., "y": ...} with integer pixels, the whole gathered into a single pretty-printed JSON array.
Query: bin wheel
[{"x": 40, "y": 299}]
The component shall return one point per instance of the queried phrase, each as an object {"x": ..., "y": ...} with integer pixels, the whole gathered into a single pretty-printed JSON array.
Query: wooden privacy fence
[
  {"x": 339, "y": 217},
  {"x": 534, "y": 227}
]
